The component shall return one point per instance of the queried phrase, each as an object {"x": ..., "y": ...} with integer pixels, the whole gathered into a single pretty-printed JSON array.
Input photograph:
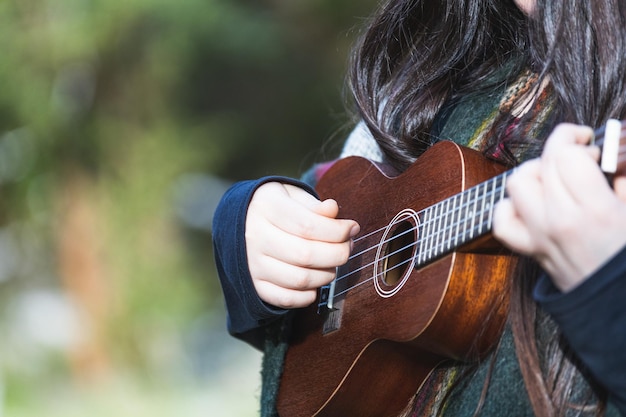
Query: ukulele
[{"x": 426, "y": 282}]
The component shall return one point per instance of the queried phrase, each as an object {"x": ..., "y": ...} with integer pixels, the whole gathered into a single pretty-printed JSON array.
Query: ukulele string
[
  {"x": 371, "y": 278},
  {"x": 369, "y": 234},
  {"x": 431, "y": 221},
  {"x": 464, "y": 206},
  {"x": 599, "y": 140},
  {"x": 494, "y": 191},
  {"x": 381, "y": 259},
  {"x": 356, "y": 255}
]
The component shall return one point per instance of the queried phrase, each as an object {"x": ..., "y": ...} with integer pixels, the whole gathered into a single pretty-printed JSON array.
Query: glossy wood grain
[{"x": 453, "y": 308}]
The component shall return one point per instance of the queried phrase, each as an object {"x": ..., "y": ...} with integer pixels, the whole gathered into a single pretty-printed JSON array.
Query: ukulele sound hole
[
  {"x": 398, "y": 253},
  {"x": 395, "y": 256}
]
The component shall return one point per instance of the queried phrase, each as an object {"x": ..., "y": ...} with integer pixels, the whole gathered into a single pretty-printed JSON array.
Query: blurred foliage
[{"x": 105, "y": 106}]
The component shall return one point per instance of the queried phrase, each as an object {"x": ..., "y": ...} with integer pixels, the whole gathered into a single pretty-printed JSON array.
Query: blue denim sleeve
[
  {"x": 247, "y": 313},
  {"x": 593, "y": 319}
]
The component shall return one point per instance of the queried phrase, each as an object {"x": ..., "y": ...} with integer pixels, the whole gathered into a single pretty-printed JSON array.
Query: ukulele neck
[
  {"x": 465, "y": 217},
  {"x": 459, "y": 219}
]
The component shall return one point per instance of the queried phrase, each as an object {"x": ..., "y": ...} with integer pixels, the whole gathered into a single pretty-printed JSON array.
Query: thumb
[{"x": 327, "y": 208}]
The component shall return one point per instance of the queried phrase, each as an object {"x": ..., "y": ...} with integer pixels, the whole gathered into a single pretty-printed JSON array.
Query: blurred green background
[{"x": 121, "y": 124}]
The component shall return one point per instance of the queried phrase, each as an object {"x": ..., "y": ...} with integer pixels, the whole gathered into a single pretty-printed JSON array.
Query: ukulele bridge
[
  {"x": 330, "y": 308},
  {"x": 332, "y": 319}
]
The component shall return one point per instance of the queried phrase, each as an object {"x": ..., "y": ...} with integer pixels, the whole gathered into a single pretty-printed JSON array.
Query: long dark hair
[{"x": 418, "y": 56}]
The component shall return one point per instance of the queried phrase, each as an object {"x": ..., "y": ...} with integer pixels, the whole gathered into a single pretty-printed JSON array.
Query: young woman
[{"x": 523, "y": 82}]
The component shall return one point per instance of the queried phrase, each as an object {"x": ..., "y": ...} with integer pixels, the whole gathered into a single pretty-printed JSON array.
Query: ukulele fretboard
[{"x": 459, "y": 219}]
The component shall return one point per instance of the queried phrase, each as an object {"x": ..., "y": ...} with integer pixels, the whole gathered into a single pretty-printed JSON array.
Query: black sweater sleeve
[
  {"x": 247, "y": 313},
  {"x": 593, "y": 319}
]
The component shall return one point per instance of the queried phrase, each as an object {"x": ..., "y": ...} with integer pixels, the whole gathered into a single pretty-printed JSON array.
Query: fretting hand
[
  {"x": 294, "y": 243},
  {"x": 561, "y": 210}
]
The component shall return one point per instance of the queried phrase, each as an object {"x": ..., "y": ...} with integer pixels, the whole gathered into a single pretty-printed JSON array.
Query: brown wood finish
[
  {"x": 452, "y": 308},
  {"x": 453, "y": 305}
]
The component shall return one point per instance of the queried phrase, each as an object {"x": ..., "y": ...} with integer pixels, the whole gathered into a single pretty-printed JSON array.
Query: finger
[
  {"x": 574, "y": 185},
  {"x": 568, "y": 134},
  {"x": 309, "y": 218},
  {"x": 525, "y": 191},
  {"x": 283, "y": 297},
  {"x": 509, "y": 230},
  {"x": 565, "y": 162},
  {"x": 292, "y": 277},
  {"x": 563, "y": 149},
  {"x": 302, "y": 196},
  {"x": 293, "y": 212},
  {"x": 557, "y": 173},
  {"x": 328, "y": 208},
  {"x": 619, "y": 185},
  {"x": 297, "y": 251}
]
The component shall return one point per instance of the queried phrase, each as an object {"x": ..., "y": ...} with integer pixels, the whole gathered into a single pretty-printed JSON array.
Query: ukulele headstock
[{"x": 612, "y": 141}]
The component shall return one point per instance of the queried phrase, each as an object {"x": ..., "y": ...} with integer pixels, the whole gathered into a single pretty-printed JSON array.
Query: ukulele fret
[
  {"x": 483, "y": 208},
  {"x": 441, "y": 230},
  {"x": 424, "y": 235},
  {"x": 450, "y": 208},
  {"x": 438, "y": 212},
  {"x": 431, "y": 236},
  {"x": 493, "y": 182},
  {"x": 459, "y": 216},
  {"x": 444, "y": 230},
  {"x": 474, "y": 202},
  {"x": 452, "y": 223}
]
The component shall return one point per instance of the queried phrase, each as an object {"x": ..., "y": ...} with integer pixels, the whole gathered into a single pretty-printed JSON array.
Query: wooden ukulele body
[{"x": 383, "y": 342}]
